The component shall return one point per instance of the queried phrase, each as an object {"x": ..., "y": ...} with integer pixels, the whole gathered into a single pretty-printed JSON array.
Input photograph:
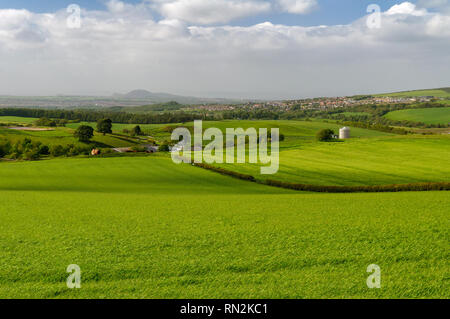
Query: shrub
[
  {"x": 31, "y": 155},
  {"x": 414, "y": 187},
  {"x": 164, "y": 147},
  {"x": 138, "y": 148},
  {"x": 325, "y": 135},
  {"x": 57, "y": 150},
  {"x": 84, "y": 133},
  {"x": 136, "y": 131},
  {"x": 43, "y": 150},
  {"x": 226, "y": 172},
  {"x": 5, "y": 148},
  {"x": 43, "y": 121}
]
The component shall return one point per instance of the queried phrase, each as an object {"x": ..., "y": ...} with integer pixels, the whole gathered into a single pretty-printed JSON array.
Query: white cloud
[
  {"x": 406, "y": 8},
  {"x": 211, "y": 11},
  {"x": 116, "y": 51},
  {"x": 297, "y": 6}
]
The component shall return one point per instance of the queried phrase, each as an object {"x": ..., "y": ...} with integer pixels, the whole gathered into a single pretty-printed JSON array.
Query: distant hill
[
  {"x": 440, "y": 92},
  {"x": 151, "y": 97}
]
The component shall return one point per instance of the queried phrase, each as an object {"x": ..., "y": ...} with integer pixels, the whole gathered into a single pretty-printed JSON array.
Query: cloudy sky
[{"x": 223, "y": 48}]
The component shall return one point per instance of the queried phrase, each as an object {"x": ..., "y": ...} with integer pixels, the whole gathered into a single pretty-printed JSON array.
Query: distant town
[{"x": 318, "y": 103}]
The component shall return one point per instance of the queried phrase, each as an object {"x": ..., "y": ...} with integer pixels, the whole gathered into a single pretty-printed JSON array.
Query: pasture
[
  {"x": 64, "y": 136},
  {"x": 363, "y": 161},
  {"x": 439, "y": 115},
  {"x": 147, "y": 228}
]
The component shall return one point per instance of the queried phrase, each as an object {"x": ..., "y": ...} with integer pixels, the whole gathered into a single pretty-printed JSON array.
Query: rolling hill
[{"x": 440, "y": 93}]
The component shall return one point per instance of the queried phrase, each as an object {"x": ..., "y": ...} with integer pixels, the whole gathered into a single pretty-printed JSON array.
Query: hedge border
[{"x": 412, "y": 187}]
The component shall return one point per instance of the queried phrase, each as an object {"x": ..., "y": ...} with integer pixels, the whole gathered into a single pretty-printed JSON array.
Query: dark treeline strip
[
  {"x": 413, "y": 187},
  {"x": 375, "y": 127},
  {"x": 223, "y": 171},
  {"x": 116, "y": 117}
]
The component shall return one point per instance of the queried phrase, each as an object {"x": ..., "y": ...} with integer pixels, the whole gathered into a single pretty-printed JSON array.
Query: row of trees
[
  {"x": 27, "y": 149},
  {"x": 116, "y": 117}
]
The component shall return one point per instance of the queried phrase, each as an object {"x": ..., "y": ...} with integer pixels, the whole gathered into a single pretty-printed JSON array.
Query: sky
[{"x": 270, "y": 49}]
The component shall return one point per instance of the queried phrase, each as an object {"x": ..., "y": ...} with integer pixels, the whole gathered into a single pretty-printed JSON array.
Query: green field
[
  {"x": 147, "y": 228},
  {"x": 364, "y": 161},
  {"x": 439, "y": 115},
  {"x": 63, "y": 136},
  {"x": 17, "y": 119},
  {"x": 143, "y": 227},
  {"x": 441, "y": 92}
]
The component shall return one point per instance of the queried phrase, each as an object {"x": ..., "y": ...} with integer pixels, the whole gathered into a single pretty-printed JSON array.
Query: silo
[{"x": 344, "y": 133}]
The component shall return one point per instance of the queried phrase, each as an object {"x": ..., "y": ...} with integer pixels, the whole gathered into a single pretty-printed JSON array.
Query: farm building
[{"x": 344, "y": 133}]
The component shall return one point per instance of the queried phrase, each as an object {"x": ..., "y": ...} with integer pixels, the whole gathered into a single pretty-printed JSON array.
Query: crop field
[
  {"x": 365, "y": 161},
  {"x": 429, "y": 115},
  {"x": 145, "y": 227}
]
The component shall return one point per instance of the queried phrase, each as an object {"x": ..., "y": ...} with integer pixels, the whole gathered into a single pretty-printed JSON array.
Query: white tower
[{"x": 344, "y": 133}]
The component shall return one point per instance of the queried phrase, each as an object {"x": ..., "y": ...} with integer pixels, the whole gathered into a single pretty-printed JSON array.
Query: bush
[
  {"x": 414, "y": 187},
  {"x": 43, "y": 121},
  {"x": 138, "y": 148},
  {"x": 84, "y": 133},
  {"x": 5, "y": 148},
  {"x": 223, "y": 171},
  {"x": 57, "y": 150},
  {"x": 325, "y": 135},
  {"x": 164, "y": 147},
  {"x": 136, "y": 131},
  {"x": 31, "y": 155},
  {"x": 43, "y": 150}
]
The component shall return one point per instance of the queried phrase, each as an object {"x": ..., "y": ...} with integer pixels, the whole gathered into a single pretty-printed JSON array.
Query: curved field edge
[
  {"x": 360, "y": 162},
  {"x": 414, "y": 187},
  {"x": 426, "y": 115},
  {"x": 189, "y": 233}
]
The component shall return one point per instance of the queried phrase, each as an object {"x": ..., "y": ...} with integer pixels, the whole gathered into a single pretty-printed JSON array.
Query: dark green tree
[
  {"x": 137, "y": 131},
  {"x": 164, "y": 147},
  {"x": 325, "y": 135},
  {"x": 104, "y": 126},
  {"x": 84, "y": 133}
]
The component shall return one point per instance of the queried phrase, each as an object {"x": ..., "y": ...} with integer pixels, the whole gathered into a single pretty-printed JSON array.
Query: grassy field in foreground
[
  {"x": 145, "y": 227},
  {"x": 374, "y": 161},
  {"x": 429, "y": 116}
]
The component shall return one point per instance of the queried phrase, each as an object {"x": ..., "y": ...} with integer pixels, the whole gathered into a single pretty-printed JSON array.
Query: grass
[
  {"x": 441, "y": 92},
  {"x": 147, "y": 228},
  {"x": 374, "y": 161},
  {"x": 17, "y": 119},
  {"x": 428, "y": 115},
  {"x": 64, "y": 136}
]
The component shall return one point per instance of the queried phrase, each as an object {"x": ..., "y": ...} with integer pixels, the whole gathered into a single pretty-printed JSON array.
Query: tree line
[{"x": 116, "y": 117}]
